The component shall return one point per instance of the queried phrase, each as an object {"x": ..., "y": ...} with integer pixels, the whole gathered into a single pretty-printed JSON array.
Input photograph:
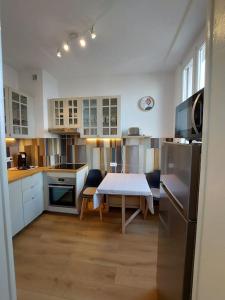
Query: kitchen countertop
[{"x": 14, "y": 175}]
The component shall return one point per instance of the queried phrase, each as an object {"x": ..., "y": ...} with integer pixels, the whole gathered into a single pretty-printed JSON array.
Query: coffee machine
[{"x": 22, "y": 161}]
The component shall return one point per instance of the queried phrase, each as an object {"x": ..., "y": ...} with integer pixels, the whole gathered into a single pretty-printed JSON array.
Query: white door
[{"x": 7, "y": 273}]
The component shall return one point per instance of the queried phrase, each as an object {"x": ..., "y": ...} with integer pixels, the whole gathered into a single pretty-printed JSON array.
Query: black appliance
[
  {"x": 68, "y": 166},
  {"x": 189, "y": 117},
  {"x": 62, "y": 191},
  {"x": 22, "y": 161},
  {"x": 177, "y": 220}
]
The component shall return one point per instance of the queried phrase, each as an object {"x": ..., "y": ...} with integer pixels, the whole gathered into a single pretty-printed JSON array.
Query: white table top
[{"x": 124, "y": 184}]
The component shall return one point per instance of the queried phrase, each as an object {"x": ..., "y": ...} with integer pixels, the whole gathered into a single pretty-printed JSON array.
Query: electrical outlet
[{"x": 113, "y": 164}]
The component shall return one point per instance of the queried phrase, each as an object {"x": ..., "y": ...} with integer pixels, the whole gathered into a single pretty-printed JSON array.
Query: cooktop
[{"x": 68, "y": 166}]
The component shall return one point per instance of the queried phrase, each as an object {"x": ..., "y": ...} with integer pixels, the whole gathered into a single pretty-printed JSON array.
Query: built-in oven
[{"x": 62, "y": 191}]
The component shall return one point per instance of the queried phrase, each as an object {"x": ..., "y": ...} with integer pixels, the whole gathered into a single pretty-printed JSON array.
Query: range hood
[{"x": 65, "y": 131}]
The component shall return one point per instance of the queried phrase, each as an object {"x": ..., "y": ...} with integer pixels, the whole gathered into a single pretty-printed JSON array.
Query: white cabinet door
[
  {"x": 90, "y": 117},
  {"x": 64, "y": 112},
  {"x": 39, "y": 200},
  {"x": 33, "y": 197},
  {"x": 73, "y": 113},
  {"x": 101, "y": 117},
  {"x": 59, "y": 117},
  {"x": 110, "y": 117},
  {"x": 21, "y": 121},
  {"x": 16, "y": 206},
  {"x": 33, "y": 204}
]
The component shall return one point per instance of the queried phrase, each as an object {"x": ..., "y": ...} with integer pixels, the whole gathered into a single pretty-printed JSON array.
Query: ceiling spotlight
[
  {"x": 59, "y": 53},
  {"x": 66, "y": 47},
  {"x": 93, "y": 33},
  {"x": 82, "y": 43}
]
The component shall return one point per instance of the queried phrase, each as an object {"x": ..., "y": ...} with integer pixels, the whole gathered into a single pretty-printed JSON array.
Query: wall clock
[{"x": 146, "y": 103}]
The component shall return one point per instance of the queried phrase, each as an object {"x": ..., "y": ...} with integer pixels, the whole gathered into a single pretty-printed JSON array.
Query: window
[
  {"x": 201, "y": 67},
  {"x": 187, "y": 80}
]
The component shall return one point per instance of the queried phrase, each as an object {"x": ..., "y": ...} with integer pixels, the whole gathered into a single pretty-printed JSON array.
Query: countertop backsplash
[{"x": 111, "y": 155}]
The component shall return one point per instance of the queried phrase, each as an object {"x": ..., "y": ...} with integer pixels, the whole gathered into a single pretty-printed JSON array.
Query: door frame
[{"x": 7, "y": 282}]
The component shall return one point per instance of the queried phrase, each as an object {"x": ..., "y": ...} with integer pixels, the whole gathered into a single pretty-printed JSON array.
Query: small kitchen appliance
[
  {"x": 22, "y": 161},
  {"x": 189, "y": 117},
  {"x": 133, "y": 131}
]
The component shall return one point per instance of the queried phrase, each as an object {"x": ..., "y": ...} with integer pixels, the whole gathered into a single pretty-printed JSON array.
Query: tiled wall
[
  {"x": 132, "y": 155},
  {"x": 40, "y": 152}
]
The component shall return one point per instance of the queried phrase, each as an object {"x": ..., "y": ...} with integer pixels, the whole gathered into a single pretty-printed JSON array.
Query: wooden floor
[{"x": 59, "y": 257}]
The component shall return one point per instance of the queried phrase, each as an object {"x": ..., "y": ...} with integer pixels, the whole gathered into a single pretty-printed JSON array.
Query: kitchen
[{"x": 80, "y": 99}]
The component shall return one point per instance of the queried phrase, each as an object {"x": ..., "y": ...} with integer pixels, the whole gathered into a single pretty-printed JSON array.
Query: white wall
[
  {"x": 209, "y": 280},
  {"x": 45, "y": 87},
  {"x": 50, "y": 90},
  {"x": 10, "y": 77},
  {"x": 35, "y": 90},
  {"x": 158, "y": 123}
]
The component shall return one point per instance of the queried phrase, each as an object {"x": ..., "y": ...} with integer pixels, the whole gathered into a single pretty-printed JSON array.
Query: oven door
[{"x": 62, "y": 195}]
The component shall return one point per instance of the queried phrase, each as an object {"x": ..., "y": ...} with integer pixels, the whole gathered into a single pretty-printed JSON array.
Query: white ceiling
[{"x": 134, "y": 36}]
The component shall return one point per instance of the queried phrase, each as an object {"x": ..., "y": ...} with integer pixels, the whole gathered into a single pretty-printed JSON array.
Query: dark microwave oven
[{"x": 189, "y": 117}]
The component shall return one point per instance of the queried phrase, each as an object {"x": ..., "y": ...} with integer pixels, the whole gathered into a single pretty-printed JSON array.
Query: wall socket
[{"x": 113, "y": 164}]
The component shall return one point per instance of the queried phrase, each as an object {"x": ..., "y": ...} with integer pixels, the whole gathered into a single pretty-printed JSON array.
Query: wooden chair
[{"x": 93, "y": 180}]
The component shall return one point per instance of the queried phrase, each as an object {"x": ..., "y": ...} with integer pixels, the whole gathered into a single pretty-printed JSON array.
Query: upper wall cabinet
[
  {"x": 110, "y": 116},
  {"x": 93, "y": 116},
  {"x": 64, "y": 113},
  {"x": 101, "y": 117},
  {"x": 90, "y": 117},
  {"x": 18, "y": 114}
]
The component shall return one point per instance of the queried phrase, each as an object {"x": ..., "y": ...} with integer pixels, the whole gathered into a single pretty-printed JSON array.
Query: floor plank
[{"x": 59, "y": 257}]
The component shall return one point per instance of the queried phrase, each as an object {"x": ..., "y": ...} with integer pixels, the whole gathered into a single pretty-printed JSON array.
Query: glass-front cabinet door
[
  {"x": 65, "y": 112},
  {"x": 110, "y": 116},
  {"x": 58, "y": 111},
  {"x": 24, "y": 114},
  {"x": 73, "y": 113},
  {"x": 90, "y": 117},
  {"x": 19, "y": 114}
]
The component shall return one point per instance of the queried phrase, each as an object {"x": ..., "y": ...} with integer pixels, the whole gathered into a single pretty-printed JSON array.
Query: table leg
[
  {"x": 146, "y": 210},
  {"x": 142, "y": 205},
  {"x": 123, "y": 214},
  {"x": 100, "y": 211},
  {"x": 107, "y": 203}
]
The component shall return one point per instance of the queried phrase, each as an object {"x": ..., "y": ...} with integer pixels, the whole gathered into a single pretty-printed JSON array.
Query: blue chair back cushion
[
  {"x": 94, "y": 178},
  {"x": 153, "y": 179}
]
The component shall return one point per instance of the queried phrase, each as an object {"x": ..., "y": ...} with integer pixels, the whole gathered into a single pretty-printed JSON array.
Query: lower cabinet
[
  {"x": 16, "y": 206},
  {"x": 32, "y": 203},
  {"x": 26, "y": 198}
]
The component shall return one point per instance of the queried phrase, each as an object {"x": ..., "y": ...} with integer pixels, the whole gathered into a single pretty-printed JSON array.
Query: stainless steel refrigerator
[{"x": 178, "y": 220}]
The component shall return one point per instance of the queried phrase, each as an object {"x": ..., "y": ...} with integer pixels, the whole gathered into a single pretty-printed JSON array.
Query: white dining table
[{"x": 125, "y": 185}]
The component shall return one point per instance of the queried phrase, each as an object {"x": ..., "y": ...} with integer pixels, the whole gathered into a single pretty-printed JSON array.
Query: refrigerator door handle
[
  {"x": 193, "y": 114},
  {"x": 174, "y": 198}
]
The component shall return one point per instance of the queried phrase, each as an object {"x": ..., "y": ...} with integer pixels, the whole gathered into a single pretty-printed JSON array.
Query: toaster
[{"x": 133, "y": 131}]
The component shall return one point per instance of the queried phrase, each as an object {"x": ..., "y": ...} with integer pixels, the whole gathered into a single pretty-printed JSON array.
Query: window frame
[
  {"x": 199, "y": 84},
  {"x": 187, "y": 79}
]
